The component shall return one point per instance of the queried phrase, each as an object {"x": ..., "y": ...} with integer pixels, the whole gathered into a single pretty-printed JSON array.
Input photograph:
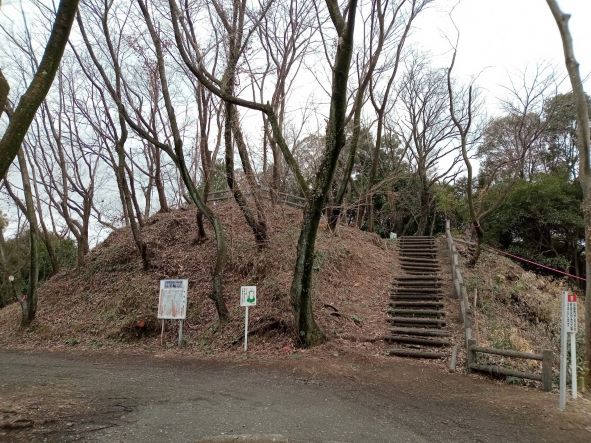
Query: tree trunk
[
  {"x": 260, "y": 232},
  {"x": 158, "y": 182},
  {"x": 33, "y": 97},
  {"x": 82, "y": 249},
  {"x": 583, "y": 146},
  {"x": 127, "y": 200},
  {"x": 179, "y": 158},
  {"x": 261, "y": 228},
  {"x": 308, "y": 332},
  {"x": 374, "y": 170},
  {"x": 206, "y": 160},
  {"x": 277, "y": 163},
  {"x": 301, "y": 288},
  {"x": 476, "y": 249},
  {"x": 4, "y": 90},
  {"x": 218, "y": 271},
  {"x": 47, "y": 239},
  {"x": 4, "y": 265},
  {"x": 29, "y": 304},
  {"x": 336, "y": 210},
  {"x": 425, "y": 210},
  {"x": 132, "y": 195}
]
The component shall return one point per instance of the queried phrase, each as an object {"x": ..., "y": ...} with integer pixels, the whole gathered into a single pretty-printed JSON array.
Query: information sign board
[
  {"x": 248, "y": 295},
  {"x": 172, "y": 303},
  {"x": 571, "y": 313}
]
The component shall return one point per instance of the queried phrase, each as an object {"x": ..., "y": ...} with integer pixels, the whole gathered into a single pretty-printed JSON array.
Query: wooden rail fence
[
  {"x": 459, "y": 286},
  {"x": 545, "y": 357},
  {"x": 472, "y": 348},
  {"x": 280, "y": 197}
]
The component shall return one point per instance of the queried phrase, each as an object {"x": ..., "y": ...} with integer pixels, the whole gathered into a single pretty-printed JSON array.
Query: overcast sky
[{"x": 499, "y": 38}]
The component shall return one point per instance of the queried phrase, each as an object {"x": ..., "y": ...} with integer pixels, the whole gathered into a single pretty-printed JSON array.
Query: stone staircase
[{"x": 416, "y": 308}]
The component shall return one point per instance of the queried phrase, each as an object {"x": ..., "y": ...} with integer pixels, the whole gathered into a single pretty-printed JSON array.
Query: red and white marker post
[{"x": 568, "y": 328}]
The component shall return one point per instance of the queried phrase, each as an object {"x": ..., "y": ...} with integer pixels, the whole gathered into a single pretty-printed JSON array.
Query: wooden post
[
  {"x": 547, "y": 370},
  {"x": 180, "y": 332},
  {"x": 470, "y": 355},
  {"x": 475, "y": 317},
  {"x": 454, "y": 358}
]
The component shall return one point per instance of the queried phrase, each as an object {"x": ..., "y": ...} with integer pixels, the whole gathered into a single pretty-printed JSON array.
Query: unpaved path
[{"x": 105, "y": 397}]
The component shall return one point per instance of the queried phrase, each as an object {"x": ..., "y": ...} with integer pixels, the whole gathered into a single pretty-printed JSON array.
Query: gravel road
[{"x": 121, "y": 398}]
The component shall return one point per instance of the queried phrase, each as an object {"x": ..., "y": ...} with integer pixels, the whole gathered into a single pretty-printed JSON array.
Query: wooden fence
[
  {"x": 279, "y": 197},
  {"x": 459, "y": 286},
  {"x": 545, "y": 357},
  {"x": 472, "y": 348}
]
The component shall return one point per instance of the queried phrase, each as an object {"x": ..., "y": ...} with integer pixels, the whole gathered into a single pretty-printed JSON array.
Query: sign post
[
  {"x": 562, "y": 395},
  {"x": 571, "y": 328},
  {"x": 248, "y": 297},
  {"x": 568, "y": 329},
  {"x": 172, "y": 303}
]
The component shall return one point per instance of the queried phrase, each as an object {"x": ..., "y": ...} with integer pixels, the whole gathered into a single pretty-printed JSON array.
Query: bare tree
[
  {"x": 175, "y": 152},
  {"x": 27, "y": 301},
  {"x": 509, "y": 148},
  {"x": 388, "y": 27},
  {"x": 301, "y": 290},
  {"x": 381, "y": 103},
  {"x": 193, "y": 57},
  {"x": 463, "y": 120},
  {"x": 66, "y": 167},
  {"x": 287, "y": 35},
  {"x": 233, "y": 22},
  {"x": 301, "y": 287},
  {"x": 116, "y": 92},
  {"x": 39, "y": 86},
  {"x": 207, "y": 108},
  {"x": 426, "y": 127},
  {"x": 7, "y": 277},
  {"x": 583, "y": 145}
]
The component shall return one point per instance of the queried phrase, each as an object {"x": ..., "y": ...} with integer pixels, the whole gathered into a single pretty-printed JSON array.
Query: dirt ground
[{"x": 308, "y": 398}]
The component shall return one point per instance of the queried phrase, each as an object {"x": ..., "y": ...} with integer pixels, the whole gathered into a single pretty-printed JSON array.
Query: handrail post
[
  {"x": 470, "y": 355},
  {"x": 547, "y": 370}
]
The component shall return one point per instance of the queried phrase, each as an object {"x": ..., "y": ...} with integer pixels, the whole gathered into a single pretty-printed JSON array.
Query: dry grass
[{"x": 516, "y": 309}]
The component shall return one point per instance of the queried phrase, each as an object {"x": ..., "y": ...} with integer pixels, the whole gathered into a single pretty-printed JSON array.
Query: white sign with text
[{"x": 172, "y": 303}]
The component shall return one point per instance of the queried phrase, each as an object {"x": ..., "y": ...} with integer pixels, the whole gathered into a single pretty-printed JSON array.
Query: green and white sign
[{"x": 248, "y": 295}]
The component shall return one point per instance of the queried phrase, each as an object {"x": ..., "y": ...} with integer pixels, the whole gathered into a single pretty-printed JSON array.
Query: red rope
[{"x": 558, "y": 271}]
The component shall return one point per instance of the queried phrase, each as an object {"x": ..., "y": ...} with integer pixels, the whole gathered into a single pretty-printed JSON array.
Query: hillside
[
  {"x": 112, "y": 302},
  {"x": 517, "y": 309}
]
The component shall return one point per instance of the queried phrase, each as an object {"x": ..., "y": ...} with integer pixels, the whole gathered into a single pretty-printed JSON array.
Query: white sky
[{"x": 499, "y": 38}]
